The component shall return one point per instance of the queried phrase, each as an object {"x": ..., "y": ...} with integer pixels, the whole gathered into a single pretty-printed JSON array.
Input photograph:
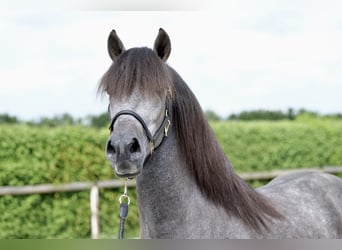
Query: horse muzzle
[{"x": 126, "y": 156}]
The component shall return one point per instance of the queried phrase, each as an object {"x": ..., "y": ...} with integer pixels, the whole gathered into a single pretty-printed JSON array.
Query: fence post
[{"x": 94, "y": 209}]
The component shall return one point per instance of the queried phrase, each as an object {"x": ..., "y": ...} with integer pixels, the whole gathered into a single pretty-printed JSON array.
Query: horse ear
[
  {"x": 115, "y": 46},
  {"x": 162, "y": 45}
]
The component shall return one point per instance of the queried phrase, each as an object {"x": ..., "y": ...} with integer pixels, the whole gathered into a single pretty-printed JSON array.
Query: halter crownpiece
[{"x": 161, "y": 131}]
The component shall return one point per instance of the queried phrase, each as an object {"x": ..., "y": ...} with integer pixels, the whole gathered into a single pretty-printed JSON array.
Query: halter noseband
[{"x": 161, "y": 131}]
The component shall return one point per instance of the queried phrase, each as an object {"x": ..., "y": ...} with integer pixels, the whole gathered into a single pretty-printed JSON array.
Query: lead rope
[{"x": 123, "y": 210}]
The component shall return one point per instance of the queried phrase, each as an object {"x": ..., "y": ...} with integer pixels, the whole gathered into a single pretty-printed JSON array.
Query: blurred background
[{"x": 267, "y": 75}]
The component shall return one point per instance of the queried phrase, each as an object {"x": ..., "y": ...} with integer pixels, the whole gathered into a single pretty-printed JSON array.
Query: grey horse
[{"x": 186, "y": 186}]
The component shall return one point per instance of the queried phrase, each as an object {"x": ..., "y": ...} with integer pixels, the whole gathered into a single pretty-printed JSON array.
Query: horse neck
[
  {"x": 161, "y": 190},
  {"x": 171, "y": 204}
]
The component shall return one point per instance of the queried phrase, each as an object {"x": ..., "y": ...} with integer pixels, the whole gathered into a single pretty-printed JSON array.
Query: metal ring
[
  {"x": 125, "y": 196},
  {"x": 166, "y": 128}
]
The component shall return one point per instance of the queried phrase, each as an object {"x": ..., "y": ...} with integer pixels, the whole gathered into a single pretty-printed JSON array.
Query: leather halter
[{"x": 161, "y": 131}]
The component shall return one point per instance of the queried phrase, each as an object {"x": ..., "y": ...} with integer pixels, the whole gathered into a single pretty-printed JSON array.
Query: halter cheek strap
[{"x": 161, "y": 132}]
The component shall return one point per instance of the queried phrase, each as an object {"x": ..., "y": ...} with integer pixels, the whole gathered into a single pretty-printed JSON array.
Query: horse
[{"x": 186, "y": 186}]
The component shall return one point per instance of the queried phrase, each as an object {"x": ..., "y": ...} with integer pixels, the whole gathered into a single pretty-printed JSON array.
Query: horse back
[{"x": 311, "y": 203}]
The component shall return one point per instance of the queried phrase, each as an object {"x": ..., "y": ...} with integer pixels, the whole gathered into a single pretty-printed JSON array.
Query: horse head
[{"x": 139, "y": 92}]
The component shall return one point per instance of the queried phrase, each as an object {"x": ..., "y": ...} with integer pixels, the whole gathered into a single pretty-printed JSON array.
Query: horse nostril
[
  {"x": 134, "y": 147},
  {"x": 110, "y": 148}
]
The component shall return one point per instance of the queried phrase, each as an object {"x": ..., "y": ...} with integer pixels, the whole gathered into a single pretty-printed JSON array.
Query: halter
[{"x": 161, "y": 131}]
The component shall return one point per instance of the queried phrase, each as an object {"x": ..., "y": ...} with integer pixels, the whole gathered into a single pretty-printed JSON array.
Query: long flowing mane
[
  {"x": 206, "y": 161},
  {"x": 208, "y": 164}
]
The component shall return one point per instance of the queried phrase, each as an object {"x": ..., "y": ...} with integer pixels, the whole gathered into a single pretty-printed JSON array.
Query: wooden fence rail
[
  {"x": 56, "y": 188},
  {"x": 94, "y": 188},
  {"x": 267, "y": 175}
]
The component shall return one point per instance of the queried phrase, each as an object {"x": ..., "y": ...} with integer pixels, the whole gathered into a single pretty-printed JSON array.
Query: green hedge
[
  {"x": 66, "y": 154},
  {"x": 36, "y": 155},
  {"x": 253, "y": 146}
]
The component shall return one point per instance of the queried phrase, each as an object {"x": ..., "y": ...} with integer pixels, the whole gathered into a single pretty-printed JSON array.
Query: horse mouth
[
  {"x": 128, "y": 175},
  {"x": 127, "y": 170}
]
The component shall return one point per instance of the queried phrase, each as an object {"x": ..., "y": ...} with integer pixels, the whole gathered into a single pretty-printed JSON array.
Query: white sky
[{"x": 243, "y": 55}]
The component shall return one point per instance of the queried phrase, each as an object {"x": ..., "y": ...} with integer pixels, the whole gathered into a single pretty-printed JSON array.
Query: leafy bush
[
  {"x": 253, "y": 146},
  {"x": 6, "y": 118},
  {"x": 36, "y": 155},
  {"x": 262, "y": 115}
]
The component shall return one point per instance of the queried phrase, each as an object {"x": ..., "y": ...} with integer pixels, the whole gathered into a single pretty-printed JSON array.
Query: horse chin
[{"x": 127, "y": 172}]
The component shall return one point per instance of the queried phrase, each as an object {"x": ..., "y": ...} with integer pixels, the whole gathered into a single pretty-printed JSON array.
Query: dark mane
[
  {"x": 208, "y": 164},
  {"x": 136, "y": 67}
]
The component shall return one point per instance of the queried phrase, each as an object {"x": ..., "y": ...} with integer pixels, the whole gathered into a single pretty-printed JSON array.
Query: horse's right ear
[{"x": 115, "y": 46}]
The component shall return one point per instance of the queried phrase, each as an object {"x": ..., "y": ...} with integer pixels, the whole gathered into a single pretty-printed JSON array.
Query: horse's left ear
[{"x": 162, "y": 45}]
